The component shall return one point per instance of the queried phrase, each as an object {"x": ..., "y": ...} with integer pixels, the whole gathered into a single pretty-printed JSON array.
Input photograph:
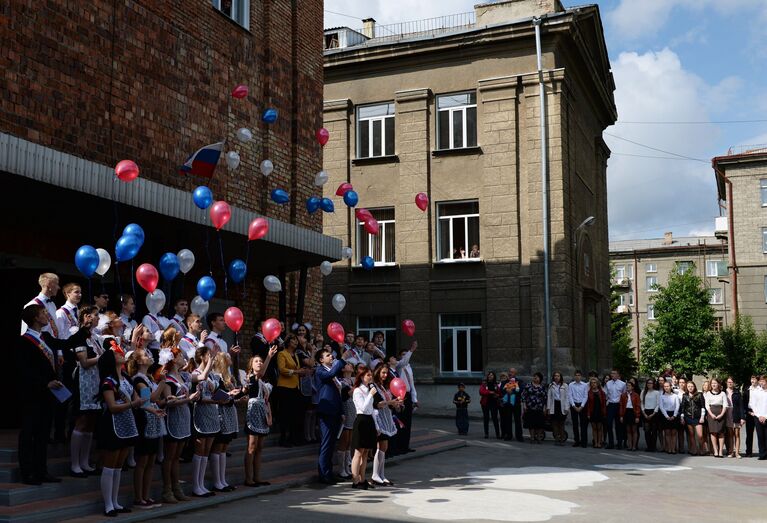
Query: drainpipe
[
  {"x": 636, "y": 301},
  {"x": 730, "y": 240},
  {"x": 537, "y": 22}
]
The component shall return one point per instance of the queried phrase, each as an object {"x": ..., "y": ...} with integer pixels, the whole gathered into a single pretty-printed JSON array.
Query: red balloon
[
  {"x": 371, "y": 226},
  {"x": 147, "y": 277},
  {"x": 322, "y": 135},
  {"x": 344, "y": 188},
  {"x": 240, "y": 92},
  {"x": 362, "y": 215},
  {"x": 336, "y": 332},
  {"x": 258, "y": 229},
  {"x": 271, "y": 329},
  {"x": 408, "y": 327},
  {"x": 233, "y": 318},
  {"x": 126, "y": 170},
  {"x": 422, "y": 200},
  {"x": 398, "y": 388},
  {"x": 220, "y": 214}
]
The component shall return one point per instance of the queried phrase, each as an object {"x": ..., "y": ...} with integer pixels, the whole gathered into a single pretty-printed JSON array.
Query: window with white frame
[
  {"x": 765, "y": 289},
  {"x": 651, "y": 267},
  {"x": 650, "y": 311},
  {"x": 620, "y": 272},
  {"x": 631, "y": 299},
  {"x": 457, "y": 120},
  {"x": 458, "y": 230},
  {"x": 651, "y": 283},
  {"x": 237, "y": 10},
  {"x": 460, "y": 337},
  {"x": 630, "y": 272},
  {"x": 718, "y": 324},
  {"x": 715, "y": 296},
  {"x": 683, "y": 266},
  {"x": 368, "y": 325},
  {"x": 716, "y": 268},
  {"x": 375, "y": 130},
  {"x": 764, "y": 240},
  {"x": 763, "y": 191},
  {"x": 379, "y": 246}
]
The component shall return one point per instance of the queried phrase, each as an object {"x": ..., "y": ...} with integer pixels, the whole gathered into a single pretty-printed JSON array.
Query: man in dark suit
[
  {"x": 35, "y": 356},
  {"x": 329, "y": 409}
]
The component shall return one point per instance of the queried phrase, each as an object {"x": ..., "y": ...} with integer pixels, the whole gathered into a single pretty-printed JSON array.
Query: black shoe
[
  {"x": 263, "y": 483},
  {"x": 228, "y": 454},
  {"x": 111, "y": 514},
  {"x": 31, "y": 480},
  {"x": 123, "y": 510},
  {"x": 74, "y": 474},
  {"x": 610, "y": 447},
  {"x": 327, "y": 481},
  {"x": 50, "y": 479},
  {"x": 229, "y": 488}
]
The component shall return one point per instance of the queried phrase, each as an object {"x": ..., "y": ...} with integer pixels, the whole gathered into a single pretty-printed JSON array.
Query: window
[
  {"x": 652, "y": 284},
  {"x": 620, "y": 272},
  {"x": 763, "y": 190},
  {"x": 718, "y": 324},
  {"x": 715, "y": 296},
  {"x": 651, "y": 267},
  {"x": 458, "y": 231},
  {"x": 379, "y": 246},
  {"x": 631, "y": 299},
  {"x": 237, "y": 10},
  {"x": 460, "y": 337},
  {"x": 764, "y": 240},
  {"x": 375, "y": 130},
  {"x": 765, "y": 289},
  {"x": 715, "y": 268},
  {"x": 622, "y": 299},
  {"x": 369, "y": 325},
  {"x": 627, "y": 299},
  {"x": 651, "y": 312},
  {"x": 457, "y": 121},
  {"x": 630, "y": 272},
  {"x": 683, "y": 266},
  {"x": 331, "y": 41}
]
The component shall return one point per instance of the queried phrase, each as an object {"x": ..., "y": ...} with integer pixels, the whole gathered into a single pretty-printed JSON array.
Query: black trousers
[
  {"x": 401, "y": 441},
  {"x": 36, "y": 420},
  {"x": 488, "y": 411},
  {"x": 614, "y": 420},
  {"x": 749, "y": 433},
  {"x": 761, "y": 437},
  {"x": 290, "y": 414},
  {"x": 580, "y": 426}
]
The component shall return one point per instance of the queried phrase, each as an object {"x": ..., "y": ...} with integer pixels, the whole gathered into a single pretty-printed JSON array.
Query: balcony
[{"x": 622, "y": 283}]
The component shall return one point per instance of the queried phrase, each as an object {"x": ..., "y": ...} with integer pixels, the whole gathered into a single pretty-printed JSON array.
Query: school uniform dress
[
  {"x": 383, "y": 417},
  {"x": 206, "y": 417},
  {"x": 87, "y": 380},
  {"x": 716, "y": 403},
  {"x": 364, "y": 432},
  {"x": 116, "y": 431},
  {"x": 349, "y": 410},
  {"x": 149, "y": 426},
  {"x": 256, "y": 418},
  {"x": 227, "y": 415},
  {"x": 178, "y": 418}
]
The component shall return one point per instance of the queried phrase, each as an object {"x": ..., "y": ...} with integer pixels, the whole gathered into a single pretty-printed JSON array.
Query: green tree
[
  {"x": 620, "y": 336},
  {"x": 682, "y": 335},
  {"x": 740, "y": 350}
]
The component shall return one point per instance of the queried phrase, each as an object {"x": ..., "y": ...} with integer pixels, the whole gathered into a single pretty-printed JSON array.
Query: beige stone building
[
  {"x": 640, "y": 265},
  {"x": 450, "y": 107}
]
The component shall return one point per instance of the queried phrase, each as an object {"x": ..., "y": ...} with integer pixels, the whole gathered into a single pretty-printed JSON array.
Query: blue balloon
[
  {"x": 127, "y": 247},
  {"x": 134, "y": 229},
  {"x": 313, "y": 203},
  {"x": 351, "y": 198},
  {"x": 237, "y": 270},
  {"x": 270, "y": 115},
  {"x": 202, "y": 197},
  {"x": 327, "y": 205},
  {"x": 87, "y": 260},
  {"x": 367, "y": 263},
  {"x": 169, "y": 266},
  {"x": 206, "y": 288},
  {"x": 280, "y": 196}
]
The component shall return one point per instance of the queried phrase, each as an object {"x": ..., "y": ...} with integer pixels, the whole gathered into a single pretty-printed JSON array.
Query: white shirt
[
  {"x": 189, "y": 344},
  {"x": 363, "y": 400},
  {"x": 129, "y": 326},
  {"x": 154, "y": 324},
  {"x": 629, "y": 403},
  {"x": 578, "y": 392},
  {"x": 66, "y": 320},
  {"x": 668, "y": 402},
  {"x": 650, "y": 400},
  {"x": 406, "y": 371},
  {"x": 757, "y": 402},
  {"x": 177, "y": 322},
  {"x": 717, "y": 399},
  {"x": 614, "y": 389},
  {"x": 216, "y": 344}
]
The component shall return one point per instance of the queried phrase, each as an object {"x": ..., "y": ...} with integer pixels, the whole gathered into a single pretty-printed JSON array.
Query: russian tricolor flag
[{"x": 203, "y": 162}]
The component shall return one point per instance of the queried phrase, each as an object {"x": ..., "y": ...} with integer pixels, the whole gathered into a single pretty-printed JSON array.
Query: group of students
[{"x": 673, "y": 413}]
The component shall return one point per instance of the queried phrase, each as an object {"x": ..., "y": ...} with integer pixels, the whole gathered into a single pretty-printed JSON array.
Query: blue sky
[{"x": 673, "y": 61}]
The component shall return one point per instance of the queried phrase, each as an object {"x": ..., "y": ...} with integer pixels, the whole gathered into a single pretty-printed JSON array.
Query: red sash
[
  {"x": 47, "y": 352},
  {"x": 51, "y": 322}
]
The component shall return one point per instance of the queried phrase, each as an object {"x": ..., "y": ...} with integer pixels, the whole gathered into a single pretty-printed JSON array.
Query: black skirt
[
  {"x": 147, "y": 446},
  {"x": 364, "y": 434},
  {"x": 106, "y": 439}
]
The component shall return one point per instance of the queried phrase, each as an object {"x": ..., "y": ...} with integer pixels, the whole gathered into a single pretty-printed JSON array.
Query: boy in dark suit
[{"x": 329, "y": 409}]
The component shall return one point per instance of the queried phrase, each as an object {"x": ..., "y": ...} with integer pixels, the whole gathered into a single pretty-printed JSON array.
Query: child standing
[{"x": 461, "y": 401}]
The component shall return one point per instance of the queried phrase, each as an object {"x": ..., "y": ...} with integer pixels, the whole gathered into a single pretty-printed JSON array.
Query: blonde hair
[
  {"x": 46, "y": 278},
  {"x": 170, "y": 338},
  {"x": 221, "y": 365},
  {"x": 132, "y": 364}
]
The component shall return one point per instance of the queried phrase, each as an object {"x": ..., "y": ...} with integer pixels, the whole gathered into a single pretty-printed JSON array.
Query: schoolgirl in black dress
[
  {"x": 364, "y": 433},
  {"x": 205, "y": 419},
  {"x": 229, "y": 425},
  {"x": 258, "y": 419},
  {"x": 86, "y": 389}
]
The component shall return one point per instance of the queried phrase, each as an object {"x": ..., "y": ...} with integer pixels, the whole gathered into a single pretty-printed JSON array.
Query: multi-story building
[
  {"x": 640, "y": 266},
  {"x": 451, "y": 107}
]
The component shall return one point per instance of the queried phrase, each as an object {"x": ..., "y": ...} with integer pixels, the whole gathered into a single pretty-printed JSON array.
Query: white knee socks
[
  {"x": 222, "y": 469},
  {"x": 378, "y": 466},
  {"x": 199, "y": 464},
  {"x": 75, "y": 448},
  {"x": 116, "y": 474},
  {"x": 215, "y": 466},
  {"x": 106, "y": 489},
  {"x": 203, "y": 467},
  {"x": 85, "y": 451}
]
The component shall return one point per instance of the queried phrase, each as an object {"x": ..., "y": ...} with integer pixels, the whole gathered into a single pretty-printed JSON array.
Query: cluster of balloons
[
  {"x": 368, "y": 222},
  {"x": 130, "y": 242},
  {"x": 90, "y": 261},
  {"x": 315, "y": 202}
]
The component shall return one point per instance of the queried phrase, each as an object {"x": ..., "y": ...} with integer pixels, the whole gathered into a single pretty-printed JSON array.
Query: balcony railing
[{"x": 427, "y": 27}]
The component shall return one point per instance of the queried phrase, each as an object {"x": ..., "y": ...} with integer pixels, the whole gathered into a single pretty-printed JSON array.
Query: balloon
[
  {"x": 237, "y": 270},
  {"x": 199, "y": 306},
  {"x": 126, "y": 170},
  {"x": 87, "y": 260},
  {"x": 322, "y": 135},
  {"x": 351, "y": 198},
  {"x": 206, "y": 288},
  {"x": 346, "y": 253},
  {"x": 313, "y": 203},
  {"x": 422, "y": 200},
  {"x": 232, "y": 159},
  {"x": 271, "y": 329},
  {"x": 336, "y": 332},
  {"x": 327, "y": 205},
  {"x": 280, "y": 196},
  {"x": 202, "y": 197},
  {"x": 343, "y": 189},
  {"x": 169, "y": 266},
  {"x": 258, "y": 228},
  {"x": 362, "y": 215},
  {"x": 338, "y": 302},
  {"x": 134, "y": 229},
  {"x": 269, "y": 116},
  {"x": 326, "y": 268},
  {"x": 371, "y": 226},
  {"x": 272, "y": 283},
  {"x": 321, "y": 178},
  {"x": 367, "y": 263},
  {"x": 147, "y": 277},
  {"x": 240, "y": 92},
  {"x": 267, "y": 167},
  {"x": 155, "y": 301},
  {"x": 185, "y": 260},
  {"x": 233, "y": 318},
  {"x": 127, "y": 247},
  {"x": 244, "y": 134},
  {"x": 105, "y": 261},
  {"x": 408, "y": 327},
  {"x": 220, "y": 214},
  {"x": 398, "y": 388}
]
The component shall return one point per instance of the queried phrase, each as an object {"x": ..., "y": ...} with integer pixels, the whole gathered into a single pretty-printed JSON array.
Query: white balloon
[
  {"x": 155, "y": 301},
  {"x": 339, "y": 302},
  {"x": 185, "y": 260},
  {"x": 267, "y": 167},
  {"x": 272, "y": 283},
  {"x": 321, "y": 178},
  {"x": 346, "y": 253},
  {"x": 244, "y": 135},
  {"x": 199, "y": 307},
  {"x": 326, "y": 268},
  {"x": 105, "y": 261},
  {"x": 232, "y": 159}
]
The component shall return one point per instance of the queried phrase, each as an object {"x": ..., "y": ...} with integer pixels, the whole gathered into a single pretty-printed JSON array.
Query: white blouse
[
  {"x": 716, "y": 399},
  {"x": 650, "y": 400},
  {"x": 667, "y": 403},
  {"x": 363, "y": 400}
]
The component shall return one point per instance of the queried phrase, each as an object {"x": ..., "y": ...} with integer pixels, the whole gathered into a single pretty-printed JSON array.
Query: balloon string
[
  {"x": 247, "y": 259},
  {"x": 223, "y": 267},
  {"x": 207, "y": 251},
  {"x": 132, "y": 280}
]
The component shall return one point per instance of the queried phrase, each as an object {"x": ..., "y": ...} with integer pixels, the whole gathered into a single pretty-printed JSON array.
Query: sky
[{"x": 673, "y": 61}]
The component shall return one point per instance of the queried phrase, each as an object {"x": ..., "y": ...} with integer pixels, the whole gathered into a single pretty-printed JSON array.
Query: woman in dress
[
  {"x": 693, "y": 409},
  {"x": 384, "y": 403},
  {"x": 734, "y": 418},
  {"x": 344, "y": 453},
  {"x": 205, "y": 419},
  {"x": 227, "y": 410},
  {"x": 258, "y": 418},
  {"x": 716, "y": 408},
  {"x": 556, "y": 407},
  {"x": 364, "y": 432},
  {"x": 534, "y": 396},
  {"x": 649, "y": 399},
  {"x": 489, "y": 398},
  {"x": 596, "y": 411},
  {"x": 629, "y": 410},
  {"x": 668, "y": 405}
]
